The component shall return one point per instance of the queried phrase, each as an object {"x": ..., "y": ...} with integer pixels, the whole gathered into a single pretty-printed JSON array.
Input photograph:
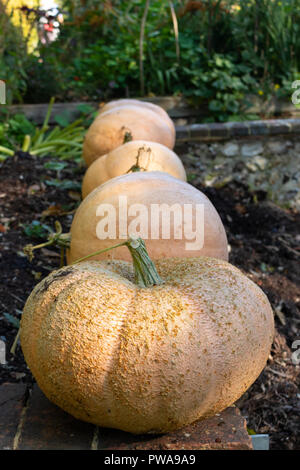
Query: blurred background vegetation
[{"x": 213, "y": 52}]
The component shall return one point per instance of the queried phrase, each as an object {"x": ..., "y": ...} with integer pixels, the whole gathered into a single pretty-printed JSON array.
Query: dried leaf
[
  {"x": 74, "y": 195},
  {"x": 54, "y": 210}
]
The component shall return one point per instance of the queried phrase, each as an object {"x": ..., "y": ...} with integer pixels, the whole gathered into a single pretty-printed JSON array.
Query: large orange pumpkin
[
  {"x": 111, "y": 128},
  {"x": 167, "y": 212},
  {"x": 129, "y": 102},
  {"x": 137, "y": 155},
  {"x": 148, "y": 359}
]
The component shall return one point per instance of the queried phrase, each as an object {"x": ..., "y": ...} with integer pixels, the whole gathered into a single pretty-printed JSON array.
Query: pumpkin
[
  {"x": 111, "y": 128},
  {"x": 153, "y": 107},
  {"x": 148, "y": 359},
  {"x": 132, "y": 156},
  {"x": 167, "y": 212}
]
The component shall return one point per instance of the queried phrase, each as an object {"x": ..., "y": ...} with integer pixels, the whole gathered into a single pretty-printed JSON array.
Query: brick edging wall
[{"x": 229, "y": 130}]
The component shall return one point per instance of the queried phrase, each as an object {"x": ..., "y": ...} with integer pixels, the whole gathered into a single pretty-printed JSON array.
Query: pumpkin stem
[
  {"x": 137, "y": 166},
  {"x": 58, "y": 238},
  {"x": 127, "y": 137},
  {"x": 146, "y": 274}
]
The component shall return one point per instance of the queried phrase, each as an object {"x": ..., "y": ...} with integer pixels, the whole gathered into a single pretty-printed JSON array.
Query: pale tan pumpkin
[
  {"x": 150, "y": 156},
  {"x": 111, "y": 128},
  {"x": 148, "y": 189},
  {"x": 146, "y": 359},
  {"x": 128, "y": 102}
]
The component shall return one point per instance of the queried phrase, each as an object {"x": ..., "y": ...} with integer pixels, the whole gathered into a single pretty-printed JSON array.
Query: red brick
[
  {"x": 12, "y": 397},
  {"x": 47, "y": 427},
  {"x": 225, "y": 431}
]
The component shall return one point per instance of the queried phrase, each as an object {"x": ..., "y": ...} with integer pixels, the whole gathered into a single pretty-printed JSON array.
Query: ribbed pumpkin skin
[
  {"x": 146, "y": 188},
  {"x": 152, "y": 157},
  {"x": 108, "y": 130},
  {"x": 146, "y": 360},
  {"x": 129, "y": 102}
]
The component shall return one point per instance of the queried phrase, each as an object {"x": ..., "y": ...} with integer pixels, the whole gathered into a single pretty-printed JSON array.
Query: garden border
[
  {"x": 230, "y": 130},
  {"x": 178, "y": 108}
]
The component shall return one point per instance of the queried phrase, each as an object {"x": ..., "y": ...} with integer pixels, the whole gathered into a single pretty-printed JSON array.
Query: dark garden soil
[{"x": 264, "y": 241}]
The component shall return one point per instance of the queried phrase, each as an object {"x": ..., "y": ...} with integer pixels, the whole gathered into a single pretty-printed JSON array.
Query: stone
[
  {"x": 182, "y": 133},
  {"x": 260, "y": 162},
  {"x": 279, "y": 126},
  {"x": 291, "y": 185},
  {"x": 251, "y": 149},
  {"x": 217, "y": 129},
  {"x": 198, "y": 131},
  {"x": 230, "y": 149},
  {"x": 294, "y": 125},
  {"x": 238, "y": 129},
  {"x": 297, "y": 147},
  {"x": 251, "y": 167},
  {"x": 214, "y": 148},
  {"x": 258, "y": 128},
  {"x": 277, "y": 146}
]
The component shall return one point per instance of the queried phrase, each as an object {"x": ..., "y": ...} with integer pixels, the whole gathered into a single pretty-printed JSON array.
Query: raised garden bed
[
  {"x": 264, "y": 243},
  {"x": 177, "y": 107}
]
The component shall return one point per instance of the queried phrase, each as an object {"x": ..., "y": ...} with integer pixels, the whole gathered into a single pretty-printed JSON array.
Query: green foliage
[
  {"x": 55, "y": 165},
  {"x": 13, "y": 56},
  {"x": 226, "y": 49},
  {"x": 64, "y": 184},
  {"x": 267, "y": 32},
  {"x": 14, "y": 128},
  {"x": 64, "y": 141},
  {"x": 11, "y": 319},
  {"x": 36, "y": 230}
]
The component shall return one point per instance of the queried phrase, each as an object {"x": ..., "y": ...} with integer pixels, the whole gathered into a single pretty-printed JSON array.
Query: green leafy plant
[
  {"x": 214, "y": 52},
  {"x": 64, "y": 143},
  {"x": 13, "y": 128},
  {"x": 64, "y": 184},
  {"x": 55, "y": 165},
  {"x": 36, "y": 229},
  {"x": 13, "y": 57},
  {"x": 12, "y": 320}
]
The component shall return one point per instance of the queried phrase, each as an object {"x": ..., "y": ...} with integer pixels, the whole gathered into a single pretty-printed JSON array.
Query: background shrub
[{"x": 225, "y": 50}]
